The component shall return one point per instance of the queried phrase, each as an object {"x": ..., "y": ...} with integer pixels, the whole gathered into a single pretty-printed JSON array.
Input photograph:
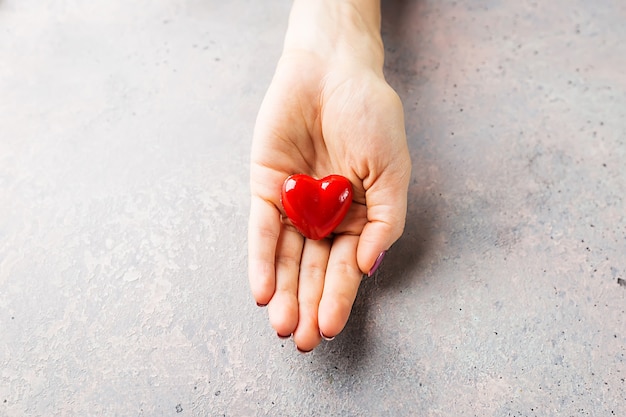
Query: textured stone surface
[{"x": 124, "y": 139}]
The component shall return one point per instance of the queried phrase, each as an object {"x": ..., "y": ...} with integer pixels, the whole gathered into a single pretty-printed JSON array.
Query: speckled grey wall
[{"x": 124, "y": 139}]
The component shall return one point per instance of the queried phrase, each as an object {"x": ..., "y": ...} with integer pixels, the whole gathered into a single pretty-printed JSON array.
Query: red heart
[{"x": 316, "y": 207}]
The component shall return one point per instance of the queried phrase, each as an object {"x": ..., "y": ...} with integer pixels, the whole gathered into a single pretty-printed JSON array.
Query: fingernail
[
  {"x": 261, "y": 305},
  {"x": 282, "y": 337},
  {"x": 303, "y": 351},
  {"x": 377, "y": 263},
  {"x": 326, "y": 337}
]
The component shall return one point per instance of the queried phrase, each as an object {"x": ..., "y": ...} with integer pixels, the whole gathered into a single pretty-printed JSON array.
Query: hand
[{"x": 325, "y": 114}]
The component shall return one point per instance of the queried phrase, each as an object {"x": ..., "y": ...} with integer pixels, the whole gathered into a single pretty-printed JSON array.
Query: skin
[{"x": 327, "y": 111}]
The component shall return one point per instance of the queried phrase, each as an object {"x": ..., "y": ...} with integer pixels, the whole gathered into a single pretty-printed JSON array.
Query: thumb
[{"x": 386, "y": 202}]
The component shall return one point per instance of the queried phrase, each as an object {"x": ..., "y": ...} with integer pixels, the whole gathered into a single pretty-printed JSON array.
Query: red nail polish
[
  {"x": 280, "y": 336},
  {"x": 261, "y": 305},
  {"x": 303, "y": 351}
]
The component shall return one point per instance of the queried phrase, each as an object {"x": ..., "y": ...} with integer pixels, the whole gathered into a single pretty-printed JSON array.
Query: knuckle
[
  {"x": 287, "y": 260},
  {"x": 314, "y": 270},
  {"x": 346, "y": 270}
]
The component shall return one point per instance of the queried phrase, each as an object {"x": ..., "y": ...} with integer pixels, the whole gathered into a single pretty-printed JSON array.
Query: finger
[
  {"x": 311, "y": 283},
  {"x": 340, "y": 286},
  {"x": 263, "y": 231},
  {"x": 386, "y": 202},
  {"x": 283, "y": 307}
]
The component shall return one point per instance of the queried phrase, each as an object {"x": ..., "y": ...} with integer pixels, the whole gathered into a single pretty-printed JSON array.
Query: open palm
[{"x": 321, "y": 119}]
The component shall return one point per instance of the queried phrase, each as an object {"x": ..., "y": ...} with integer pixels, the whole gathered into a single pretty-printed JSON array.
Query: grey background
[{"x": 124, "y": 137}]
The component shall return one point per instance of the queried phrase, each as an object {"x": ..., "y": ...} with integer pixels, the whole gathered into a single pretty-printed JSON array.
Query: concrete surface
[{"x": 124, "y": 140}]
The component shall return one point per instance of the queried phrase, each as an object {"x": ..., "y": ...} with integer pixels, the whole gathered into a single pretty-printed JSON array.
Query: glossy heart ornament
[{"x": 316, "y": 207}]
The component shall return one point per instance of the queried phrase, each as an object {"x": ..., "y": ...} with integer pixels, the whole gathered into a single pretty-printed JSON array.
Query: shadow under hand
[
  {"x": 403, "y": 266},
  {"x": 400, "y": 269},
  {"x": 402, "y": 21}
]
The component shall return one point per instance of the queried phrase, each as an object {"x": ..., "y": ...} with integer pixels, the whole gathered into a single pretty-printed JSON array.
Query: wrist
[{"x": 337, "y": 30}]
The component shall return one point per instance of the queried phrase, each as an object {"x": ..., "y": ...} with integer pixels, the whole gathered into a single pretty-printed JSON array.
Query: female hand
[{"x": 327, "y": 111}]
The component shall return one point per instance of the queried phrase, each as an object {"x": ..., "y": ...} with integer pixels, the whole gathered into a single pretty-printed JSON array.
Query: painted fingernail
[
  {"x": 261, "y": 305},
  {"x": 283, "y": 337},
  {"x": 377, "y": 263},
  {"x": 326, "y": 337},
  {"x": 303, "y": 351}
]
